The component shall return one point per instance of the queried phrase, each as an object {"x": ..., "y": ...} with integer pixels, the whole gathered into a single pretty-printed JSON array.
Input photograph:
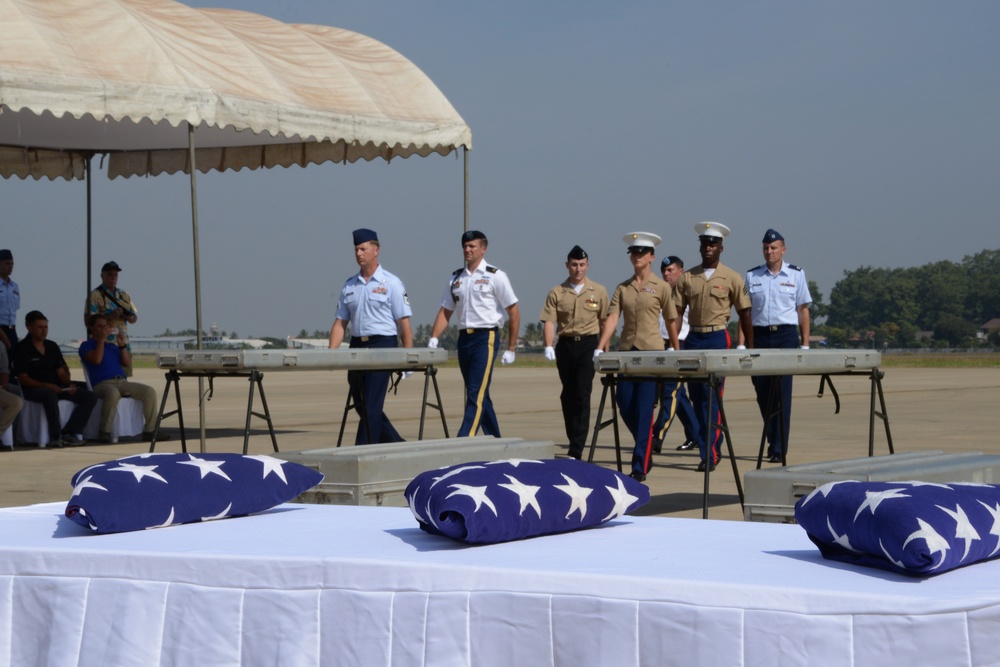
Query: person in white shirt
[{"x": 481, "y": 296}]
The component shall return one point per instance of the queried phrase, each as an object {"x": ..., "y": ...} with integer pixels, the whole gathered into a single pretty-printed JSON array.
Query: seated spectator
[
  {"x": 10, "y": 404},
  {"x": 44, "y": 378},
  {"x": 104, "y": 361}
]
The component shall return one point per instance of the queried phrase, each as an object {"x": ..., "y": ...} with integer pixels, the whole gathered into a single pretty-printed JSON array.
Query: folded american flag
[
  {"x": 158, "y": 490},
  {"x": 499, "y": 501},
  {"x": 916, "y": 528}
]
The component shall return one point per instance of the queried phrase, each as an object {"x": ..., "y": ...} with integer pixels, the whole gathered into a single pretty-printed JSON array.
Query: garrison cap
[
  {"x": 473, "y": 235},
  {"x": 111, "y": 266},
  {"x": 641, "y": 240},
  {"x": 576, "y": 253},
  {"x": 770, "y": 236},
  {"x": 6, "y": 254},
  {"x": 713, "y": 231},
  {"x": 364, "y": 236}
]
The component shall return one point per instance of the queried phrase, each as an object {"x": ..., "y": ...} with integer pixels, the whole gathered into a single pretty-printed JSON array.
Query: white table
[{"x": 337, "y": 585}]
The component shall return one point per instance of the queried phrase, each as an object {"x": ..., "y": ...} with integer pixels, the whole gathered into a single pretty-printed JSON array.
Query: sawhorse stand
[
  {"x": 775, "y": 408},
  {"x": 430, "y": 377},
  {"x": 715, "y": 395},
  {"x": 173, "y": 378}
]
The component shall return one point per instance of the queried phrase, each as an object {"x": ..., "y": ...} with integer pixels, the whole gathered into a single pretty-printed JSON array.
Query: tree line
[{"x": 890, "y": 307}]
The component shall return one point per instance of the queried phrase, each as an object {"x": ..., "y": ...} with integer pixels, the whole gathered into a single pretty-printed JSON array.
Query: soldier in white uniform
[{"x": 480, "y": 295}]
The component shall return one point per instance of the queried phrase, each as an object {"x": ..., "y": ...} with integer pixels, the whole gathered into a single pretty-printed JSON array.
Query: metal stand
[
  {"x": 173, "y": 378},
  {"x": 430, "y": 377},
  {"x": 715, "y": 383}
]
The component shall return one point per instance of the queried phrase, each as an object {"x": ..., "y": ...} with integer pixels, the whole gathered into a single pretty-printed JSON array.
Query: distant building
[
  {"x": 296, "y": 343},
  {"x": 987, "y": 328},
  {"x": 142, "y": 345}
]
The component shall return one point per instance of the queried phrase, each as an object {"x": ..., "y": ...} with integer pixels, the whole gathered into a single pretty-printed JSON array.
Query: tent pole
[
  {"x": 197, "y": 282},
  {"x": 86, "y": 282},
  {"x": 465, "y": 156}
]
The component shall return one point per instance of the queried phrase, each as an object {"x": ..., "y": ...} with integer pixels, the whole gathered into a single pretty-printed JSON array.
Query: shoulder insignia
[
  {"x": 757, "y": 268},
  {"x": 456, "y": 273},
  {"x": 797, "y": 268},
  {"x": 491, "y": 269}
]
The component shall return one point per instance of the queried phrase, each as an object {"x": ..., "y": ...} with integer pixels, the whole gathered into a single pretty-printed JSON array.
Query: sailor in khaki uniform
[
  {"x": 640, "y": 301},
  {"x": 709, "y": 291},
  {"x": 574, "y": 311}
]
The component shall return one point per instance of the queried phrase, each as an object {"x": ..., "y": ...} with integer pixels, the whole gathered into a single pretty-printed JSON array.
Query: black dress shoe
[
  {"x": 686, "y": 445},
  {"x": 637, "y": 476},
  {"x": 774, "y": 458},
  {"x": 701, "y": 467},
  {"x": 657, "y": 445}
]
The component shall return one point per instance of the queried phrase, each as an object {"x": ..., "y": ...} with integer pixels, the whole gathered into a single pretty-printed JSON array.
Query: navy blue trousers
[
  {"x": 676, "y": 404},
  {"x": 785, "y": 338},
  {"x": 477, "y": 352},
  {"x": 368, "y": 389},
  {"x": 637, "y": 405},
  {"x": 700, "y": 391}
]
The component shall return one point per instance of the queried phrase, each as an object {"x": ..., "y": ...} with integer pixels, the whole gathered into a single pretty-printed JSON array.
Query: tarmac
[{"x": 954, "y": 410}]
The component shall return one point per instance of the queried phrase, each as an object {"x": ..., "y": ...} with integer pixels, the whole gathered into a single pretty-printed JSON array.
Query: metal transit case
[
  {"x": 221, "y": 361},
  {"x": 378, "y": 474},
  {"x": 771, "y": 493},
  {"x": 737, "y": 362}
]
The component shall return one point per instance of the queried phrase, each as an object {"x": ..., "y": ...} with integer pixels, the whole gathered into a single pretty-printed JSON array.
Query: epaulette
[
  {"x": 797, "y": 268},
  {"x": 491, "y": 269},
  {"x": 759, "y": 266},
  {"x": 454, "y": 274}
]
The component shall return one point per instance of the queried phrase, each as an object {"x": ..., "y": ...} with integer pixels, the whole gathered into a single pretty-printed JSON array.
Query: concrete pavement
[{"x": 929, "y": 408}]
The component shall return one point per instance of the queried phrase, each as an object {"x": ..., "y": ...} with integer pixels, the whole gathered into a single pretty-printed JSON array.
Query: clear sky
[{"x": 868, "y": 133}]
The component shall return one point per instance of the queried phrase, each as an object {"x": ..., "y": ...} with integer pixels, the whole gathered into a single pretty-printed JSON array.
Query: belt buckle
[
  {"x": 470, "y": 331},
  {"x": 364, "y": 339},
  {"x": 772, "y": 327}
]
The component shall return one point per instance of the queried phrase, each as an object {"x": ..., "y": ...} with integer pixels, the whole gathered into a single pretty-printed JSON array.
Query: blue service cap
[
  {"x": 770, "y": 236},
  {"x": 364, "y": 236},
  {"x": 6, "y": 254}
]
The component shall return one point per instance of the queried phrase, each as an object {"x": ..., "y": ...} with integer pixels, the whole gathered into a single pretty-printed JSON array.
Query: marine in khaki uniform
[
  {"x": 574, "y": 312},
  {"x": 709, "y": 291},
  {"x": 639, "y": 302}
]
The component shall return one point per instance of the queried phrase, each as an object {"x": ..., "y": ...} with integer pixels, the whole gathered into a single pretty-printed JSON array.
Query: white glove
[
  {"x": 598, "y": 352},
  {"x": 805, "y": 347},
  {"x": 550, "y": 353},
  {"x": 507, "y": 358},
  {"x": 432, "y": 343},
  {"x": 405, "y": 375},
  {"x": 670, "y": 349},
  {"x": 741, "y": 347}
]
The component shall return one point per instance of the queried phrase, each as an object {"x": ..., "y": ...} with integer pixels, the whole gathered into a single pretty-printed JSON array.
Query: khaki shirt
[
  {"x": 576, "y": 314},
  {"x": 709, "y": 300},
  {"x": 640, "y": 309}
]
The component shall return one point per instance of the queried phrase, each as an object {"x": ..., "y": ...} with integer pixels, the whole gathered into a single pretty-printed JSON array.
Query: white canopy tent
[{"x": 160, "y": 87}]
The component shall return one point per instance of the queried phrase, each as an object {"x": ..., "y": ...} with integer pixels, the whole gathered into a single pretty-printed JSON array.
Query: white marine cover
[{"x": 125, "y": 77}]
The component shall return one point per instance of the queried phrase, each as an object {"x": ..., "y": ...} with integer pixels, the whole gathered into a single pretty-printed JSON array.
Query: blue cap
[
  {"x": 6, "y": 254},
  {"x": 770, "y": 236},
  {"x": 364, "y": 236}
]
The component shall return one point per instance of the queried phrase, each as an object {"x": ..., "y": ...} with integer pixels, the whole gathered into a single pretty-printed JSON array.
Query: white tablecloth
[{"x": 325, "y": 585}]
